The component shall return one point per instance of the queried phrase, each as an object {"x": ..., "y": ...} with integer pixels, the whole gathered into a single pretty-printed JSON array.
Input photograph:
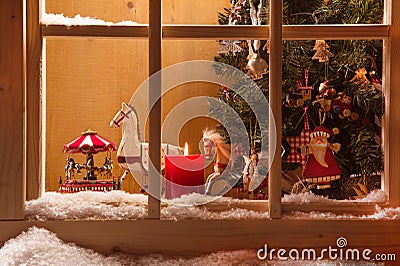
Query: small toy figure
[
  {"x": 321, "y": 167},
  {"x": 70, "y": 168},
  {"x": 256, "y": 66},
  {"x": 326, "y": 91},
  {"x": 249, "y": 170}
]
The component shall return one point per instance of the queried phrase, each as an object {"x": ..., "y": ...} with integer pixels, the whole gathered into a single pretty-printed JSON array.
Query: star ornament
[{"x": 229, "y": 46}]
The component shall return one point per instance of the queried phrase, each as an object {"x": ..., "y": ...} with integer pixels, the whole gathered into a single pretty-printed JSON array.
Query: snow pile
[
  {"x": 40, "y": 247},
  {"x": 60, "y": 19},
  {"x": 194, "y": 199},
  {"x": 308, "y": 197},
  {"x": 116, "y": 205},
  {"x": 119, "y": 205},
  {"x": 374, "y": 196}
]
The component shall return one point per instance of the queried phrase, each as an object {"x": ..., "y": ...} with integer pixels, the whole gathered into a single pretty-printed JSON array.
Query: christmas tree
[{"x": 330, "y": 83}]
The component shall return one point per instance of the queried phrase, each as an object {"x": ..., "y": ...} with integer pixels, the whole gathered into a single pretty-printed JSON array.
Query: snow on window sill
[
  {"x": 119, "y": 205},
  {"x": 60, "y": 19}
]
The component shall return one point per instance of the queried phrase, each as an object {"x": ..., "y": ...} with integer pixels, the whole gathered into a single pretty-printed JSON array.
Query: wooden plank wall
[
  {"x": 12, "y": 116},
  {"x": 87, "y": 78}
]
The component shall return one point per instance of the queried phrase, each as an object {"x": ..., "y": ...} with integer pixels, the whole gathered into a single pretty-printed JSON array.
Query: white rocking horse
[{"x": 132, "y": 155}]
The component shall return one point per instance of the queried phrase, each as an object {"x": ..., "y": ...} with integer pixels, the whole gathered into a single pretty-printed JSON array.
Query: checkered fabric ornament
[{"x": 295, "y": 142}]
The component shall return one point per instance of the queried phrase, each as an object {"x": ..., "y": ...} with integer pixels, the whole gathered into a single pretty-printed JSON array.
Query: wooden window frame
[
  {"x": 155, "y": 32},
  {"x": 142, "y": 236}
]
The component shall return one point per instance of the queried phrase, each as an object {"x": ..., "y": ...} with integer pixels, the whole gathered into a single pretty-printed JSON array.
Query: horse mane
[
  {"x": 219, "y": 141},
  {"x": 137, "y": 119}
]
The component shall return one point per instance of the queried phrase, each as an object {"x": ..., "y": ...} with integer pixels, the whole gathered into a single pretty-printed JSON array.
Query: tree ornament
[
  {"x": 229, "y": 46},
  {"x": 322, "y": 53},
  {"x": 235, "y": 17},
  {"x": 343, "y": 108},
  {"x": 304, "y": 90},
  {"x": 296, "y": 142},
  {"x": 326, "y": 91},
  {"x": 257, "y": 66},
  {"x": 226, "y": 92},
  {"x": 360, "y": 78},
  {"x": 321, "y": 167}
]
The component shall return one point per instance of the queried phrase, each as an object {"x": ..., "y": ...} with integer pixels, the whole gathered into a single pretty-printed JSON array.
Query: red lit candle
[{"x": 184, "y": 174}]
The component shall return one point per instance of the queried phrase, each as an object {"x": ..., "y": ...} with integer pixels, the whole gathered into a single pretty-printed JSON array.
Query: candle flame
[{"x": 186, "y": 150}]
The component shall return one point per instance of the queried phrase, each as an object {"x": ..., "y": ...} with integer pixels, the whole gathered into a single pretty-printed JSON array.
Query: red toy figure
[{"x": 321, "y": 167}]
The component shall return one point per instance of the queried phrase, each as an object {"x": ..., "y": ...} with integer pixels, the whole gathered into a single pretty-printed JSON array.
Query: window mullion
[
  {"x": 155, "y": 57},
  {"x": 275, "y": 94}
]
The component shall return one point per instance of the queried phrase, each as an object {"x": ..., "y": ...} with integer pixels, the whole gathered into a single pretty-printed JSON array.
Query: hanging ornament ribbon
[
  {"x": 306, "y": 77},
  {"x": 300, "y": 84}
]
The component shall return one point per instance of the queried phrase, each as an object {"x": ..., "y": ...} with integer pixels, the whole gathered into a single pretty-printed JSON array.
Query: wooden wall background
[{"x": 87, "y": 78}]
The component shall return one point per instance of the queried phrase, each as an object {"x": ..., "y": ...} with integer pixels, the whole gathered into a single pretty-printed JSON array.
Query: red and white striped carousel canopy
[{"x": 89, "y": 142}]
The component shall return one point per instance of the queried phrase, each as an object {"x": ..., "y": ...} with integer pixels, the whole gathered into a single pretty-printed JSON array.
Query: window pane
[
  {"x": 109, "y": 11},
  {"x": 333, "y": 89},
  {"x": 232, "y": 102},
  {"x": 301, "y": 12},
  {"x": 222, "y": 12},
  {"x": 87, "y": 80}
]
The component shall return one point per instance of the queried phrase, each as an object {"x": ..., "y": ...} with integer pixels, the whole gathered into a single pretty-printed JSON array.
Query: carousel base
[{"x": 74, "y": 186}]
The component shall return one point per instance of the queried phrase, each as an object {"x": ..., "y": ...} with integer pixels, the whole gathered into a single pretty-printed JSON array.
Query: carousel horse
[
  {"x": 70, "y": 168},
  {"x": 107, "y": 167},
  {"x": 214, "y": 145},
  {"x": 132, "y": 155}
]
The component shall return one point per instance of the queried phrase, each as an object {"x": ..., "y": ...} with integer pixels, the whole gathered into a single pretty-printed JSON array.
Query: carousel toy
[{"x": 89, "y": 143}]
